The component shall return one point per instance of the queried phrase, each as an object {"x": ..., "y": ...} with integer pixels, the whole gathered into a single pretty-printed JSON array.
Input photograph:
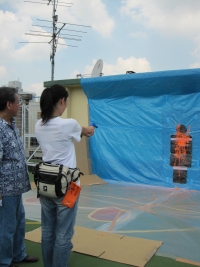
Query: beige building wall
[{"x": 77, "y": 106}]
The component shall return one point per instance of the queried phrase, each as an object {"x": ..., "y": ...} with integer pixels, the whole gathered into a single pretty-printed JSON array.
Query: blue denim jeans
[
  {"x": 12, "y": 230},
  {"x": 57, "y": 231}
]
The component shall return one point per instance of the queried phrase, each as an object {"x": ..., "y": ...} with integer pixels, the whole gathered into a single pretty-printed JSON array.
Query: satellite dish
[{"x": 97, "y": 69}]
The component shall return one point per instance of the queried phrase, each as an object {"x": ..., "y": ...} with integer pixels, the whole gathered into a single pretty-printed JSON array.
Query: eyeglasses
[{"x": 19, "y": 101}]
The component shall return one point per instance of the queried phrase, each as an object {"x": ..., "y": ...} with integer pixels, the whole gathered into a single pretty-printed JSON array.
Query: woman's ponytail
[{"x": 48, "y": 100}]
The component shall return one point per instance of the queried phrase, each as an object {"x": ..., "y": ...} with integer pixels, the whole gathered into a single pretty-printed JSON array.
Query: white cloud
[
  {"x": 195, "y": 65},
  {"x": 13, "y": 29},
  {"x": 36, "y": 88},
  {"x": 196, "y": 51},
  {"x": 3, "y": 71},
  {"x": 30, "y": 52},
  {"x": 177, "y": 19},
  {"x": 93, "y": 13},
  {"x": 121, "y": 66},
  {"x": 172, "y": 17},
  {"x": 36, "y": 10}
]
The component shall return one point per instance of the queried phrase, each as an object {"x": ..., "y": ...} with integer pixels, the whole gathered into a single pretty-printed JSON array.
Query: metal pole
[
  {"x": 55, "y": 18},
  {"x": 23, "y": 126}
]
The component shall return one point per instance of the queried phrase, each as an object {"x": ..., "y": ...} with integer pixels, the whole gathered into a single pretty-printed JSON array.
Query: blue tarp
[{"x": 136, "y": 115}]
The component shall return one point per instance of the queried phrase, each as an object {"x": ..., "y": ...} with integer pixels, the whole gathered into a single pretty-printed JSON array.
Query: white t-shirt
[{"x": 56, "y": 139}]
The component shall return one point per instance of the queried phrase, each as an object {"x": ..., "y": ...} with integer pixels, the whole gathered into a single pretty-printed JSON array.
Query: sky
[{"x": 128, "y": 35}]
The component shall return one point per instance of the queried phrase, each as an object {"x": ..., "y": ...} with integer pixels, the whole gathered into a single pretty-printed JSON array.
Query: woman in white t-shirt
[{"x": 56, "y": 138}]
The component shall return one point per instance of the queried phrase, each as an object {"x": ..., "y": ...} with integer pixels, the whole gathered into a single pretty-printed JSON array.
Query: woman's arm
[{"x": 87, "y": 131}]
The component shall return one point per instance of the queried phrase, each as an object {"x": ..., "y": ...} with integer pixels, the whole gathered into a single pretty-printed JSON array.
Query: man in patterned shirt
[{"x": 14, "y": 181}]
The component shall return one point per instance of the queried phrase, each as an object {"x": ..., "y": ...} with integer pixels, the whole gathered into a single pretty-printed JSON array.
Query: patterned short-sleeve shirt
[{"x": 14, "y": 179}]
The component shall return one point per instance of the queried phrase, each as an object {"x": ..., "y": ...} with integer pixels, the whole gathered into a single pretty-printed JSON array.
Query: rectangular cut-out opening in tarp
[{"x": 138, "y": 117}]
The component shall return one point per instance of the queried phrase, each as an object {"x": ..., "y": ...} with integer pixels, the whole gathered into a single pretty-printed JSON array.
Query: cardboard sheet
[
  {"x": 34, "y": 235},
  {"x": 113, "y": 247},
  {"x": 92, "y": 242},
  {"x": 188, "y": 261}
]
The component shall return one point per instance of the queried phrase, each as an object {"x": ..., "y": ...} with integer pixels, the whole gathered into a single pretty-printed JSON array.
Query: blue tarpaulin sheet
[{"x": 136, "y": 116}]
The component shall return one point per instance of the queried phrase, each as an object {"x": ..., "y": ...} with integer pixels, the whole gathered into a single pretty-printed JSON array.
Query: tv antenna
[{"x": 55, "y": 34}]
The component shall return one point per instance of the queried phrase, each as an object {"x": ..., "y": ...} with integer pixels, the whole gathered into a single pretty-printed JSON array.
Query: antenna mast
[
  {"x": 55, "y": 19},
  {"x": 55, "y": 31}
]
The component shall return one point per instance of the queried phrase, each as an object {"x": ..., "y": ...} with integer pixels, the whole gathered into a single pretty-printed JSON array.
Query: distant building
[
  {"x": 17, "y": 85},
  {"x": 26, "y": 96}
]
